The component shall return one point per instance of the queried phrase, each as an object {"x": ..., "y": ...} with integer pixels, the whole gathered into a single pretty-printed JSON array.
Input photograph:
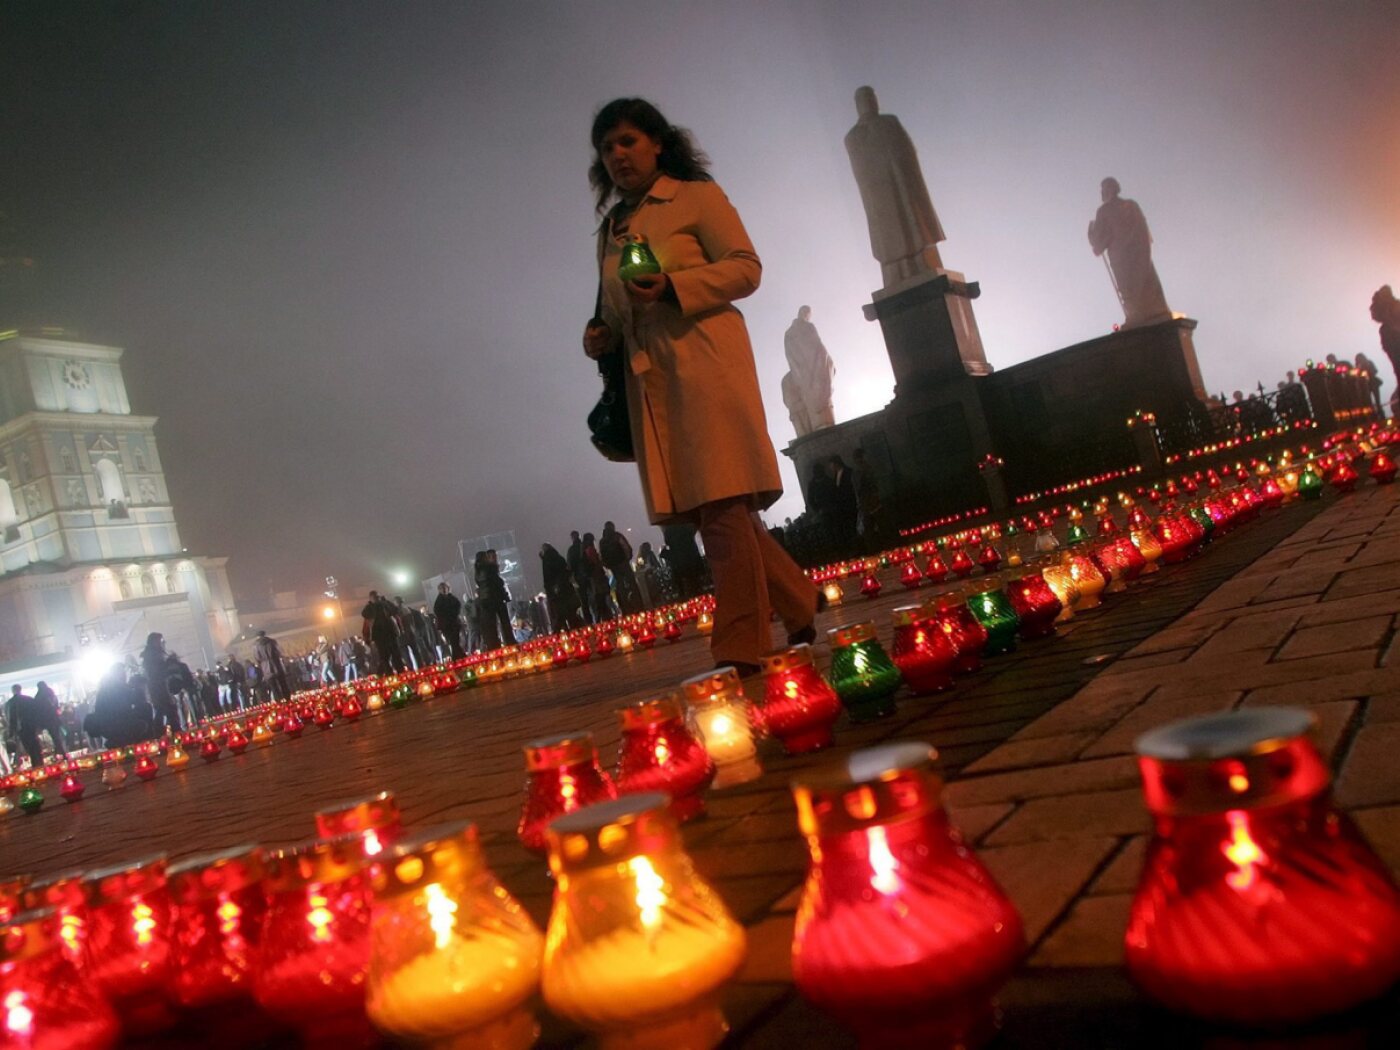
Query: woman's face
[{"x": 630, "y": 156}]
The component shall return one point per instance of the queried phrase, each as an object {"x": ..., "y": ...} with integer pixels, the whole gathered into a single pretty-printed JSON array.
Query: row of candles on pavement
[
  {"x": 1259, "y": 903},
  {"x": 931, "y": 642}
]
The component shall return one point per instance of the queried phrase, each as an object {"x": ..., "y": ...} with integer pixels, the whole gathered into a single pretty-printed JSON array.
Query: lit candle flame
[
  {"x": 143, "y": 923},
  {"x": 229, "y": 913},
  {"x": 320, "y": 918},
  {"x": 1242, "y": 851},
  {"x": 650, "y": 890},
  {"x": 442, "y": 913},
  {"x": 19, "y": 1018},
  {"x": 883, "y": 866}
]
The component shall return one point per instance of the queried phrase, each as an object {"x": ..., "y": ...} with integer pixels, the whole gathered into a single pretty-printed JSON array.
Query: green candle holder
[
  {"x": 993, "y": 611},
  {"x": 1202, "y": 517},
  {"x": 31, "y": 800},
  {"x": 864, "y": 676},
  {"x": 1077, "y": 534},
  {"x": 400, "y": 697},
  {"x": 637, "y": 260},
  {"x": 1310, "y": 484}
]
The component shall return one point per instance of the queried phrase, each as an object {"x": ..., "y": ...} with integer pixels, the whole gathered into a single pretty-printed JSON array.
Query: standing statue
[
  {"x": 807, "y": 385},
  {"x": 904, "y": 228},
  {"x": 1120, "y": 229}
]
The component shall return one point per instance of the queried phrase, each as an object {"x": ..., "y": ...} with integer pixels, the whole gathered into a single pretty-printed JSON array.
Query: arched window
[
  {"x": 138, "y": 457},
  {"x": 109, "y": 481},
  {"x": 65, "y": 457},
  {"x": 125, "y": 587},
  {"x": 148, "y": 584}
]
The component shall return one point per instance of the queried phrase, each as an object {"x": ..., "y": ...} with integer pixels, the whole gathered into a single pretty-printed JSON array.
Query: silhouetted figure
[
  {"x": 380, "y": 630},
  {"x": 153, "y": 664},
  {"x": 616, "y": 554},
  {"x": 491, "y": 601},
  {"x": 559, "y": 592},
  {"x": 578, "y": 569},
  {"x": 447, "y": 611},
  {"x": 48, "y": 718},
  {"x": 269, "y": 655}
]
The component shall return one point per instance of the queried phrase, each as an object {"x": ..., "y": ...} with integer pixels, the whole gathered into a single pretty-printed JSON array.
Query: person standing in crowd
[
  {"x": 183, "y": 690},
  {"x": 559, "y": 593},
  {"x": 698, "y": 425},
  {"x": 682, "y": 556},
  {"x": 403, "y": 623},
  {"x": 870, "y": 504},
  {"x": 491, "y": 598},
  {"x": 578, "y": 568},
  {"x": 325, "y": 661},
  {"x": 208, "y": 695},
  {"x": 22, "y": 720},
  {"x": 1373, "y": 381},
  {"x": 844, "y": 505},
  {"x": 48, "y": 719},
  {"x": 269, "y": 655},
  {"x": 649, "y": 576},
  {"x": 598, "y": 586},
  {"x": 447, "y": 611},
  {"x": 379, "y": 630},
  {"x": 238, "y": 682},
  {"x": 153, "y": 666},
  {"x": 121, "y": 714},
  {"x": 616, "y": 554}
]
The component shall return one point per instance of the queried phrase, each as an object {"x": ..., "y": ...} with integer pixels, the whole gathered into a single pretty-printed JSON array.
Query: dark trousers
[
  {"x": 389, "y": 659},
  {"x": 585, "y": 599},
  {"x": 29, "y": 740},
  {"x": 495, "y": 624},
  {"x": 453, "y": 633}
]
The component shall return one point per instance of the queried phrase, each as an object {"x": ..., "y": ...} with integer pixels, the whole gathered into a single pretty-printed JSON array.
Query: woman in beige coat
[{"x": 698, "y": 426}]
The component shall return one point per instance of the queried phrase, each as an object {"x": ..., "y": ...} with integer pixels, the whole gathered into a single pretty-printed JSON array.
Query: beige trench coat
[{"x": 692, "y": 389}]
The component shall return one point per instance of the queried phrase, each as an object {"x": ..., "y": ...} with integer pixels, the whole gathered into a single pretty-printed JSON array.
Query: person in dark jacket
[
  {"x": 578, "y": 569},
  {"x": 491, "y": 599},
  {"x": 845, "y": 506},
  {"x": 447, "y": 611},
  {"x": 559, "y": 590},
  {"x": 682, "y": 556},
  {"x": 269, "y": 655},
  {"x": 153, "y": 664},
  {"x": 22, "y": 718},
  {"x": 597, "y": 580},
  {"x": 121, "y": 714},
  {"x": 616, "y": 554},
  {"x": 48, "y": 719},
  {"x": 380, "y": 630}
]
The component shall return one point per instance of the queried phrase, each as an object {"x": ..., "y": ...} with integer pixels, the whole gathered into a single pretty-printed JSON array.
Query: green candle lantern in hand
[{"x": 637, "y": 260}]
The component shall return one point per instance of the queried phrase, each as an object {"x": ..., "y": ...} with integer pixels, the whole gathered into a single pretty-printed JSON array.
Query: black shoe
[{"x": 806, "y": 636}]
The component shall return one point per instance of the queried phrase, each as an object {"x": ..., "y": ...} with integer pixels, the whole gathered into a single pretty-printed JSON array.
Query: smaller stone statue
[
  {"x": 1120, "y": 230},
  {"x": 807, "y": 385},
  {"x": 904, "y": 228}
]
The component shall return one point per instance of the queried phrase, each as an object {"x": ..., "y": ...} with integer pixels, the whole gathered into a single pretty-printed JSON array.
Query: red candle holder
[
  {"x": 12, "y": 896},
  {"x": 146, "y": 768},
  {"x": 659, "y": 753},
  {"x": 1259, "y": 903},
  {"x": 870, "y": 586},
  {"x": 902, "y": 935},
  {"x": 129, "y": 942},
  {"x": 799, "y": 705},
  {"x": 64, "y": 894},
  {"x": 46, "y": 1003},
  {"x": 375, "y": 821},
  {"x": 672, "y": 633},
  {"x": 71, "y": 790},
  {"x": 237, "y": 742},
  {"x": 923, "y": 652},
  {"x": 209, "y": 750},
  {"x": 324, "y": 718},
  {"x": 936, "y": 571},
  {"x": 562, "y": 774},
  {"x": 965, "y": 631},
  {"x": 962, "y": 566},
  {"x": 910, "y": 576},
  {"x": 293, "y": 726},
  {"x": 219, "y": 907},
  {"x": 989, "y": 560},
  {"x": 1036, "y": 605},
  {"x": 1343, "y": 478},
  {"x": 1382, "y": 468},
  {"x": 314, "y": 944}
]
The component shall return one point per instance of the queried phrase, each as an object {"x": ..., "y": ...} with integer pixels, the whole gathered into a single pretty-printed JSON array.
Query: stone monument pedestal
[{"x": 929, "y": 328}]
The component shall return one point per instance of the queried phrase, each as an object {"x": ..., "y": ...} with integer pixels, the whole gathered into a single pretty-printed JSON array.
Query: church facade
[{"x": 91, "y": 559}]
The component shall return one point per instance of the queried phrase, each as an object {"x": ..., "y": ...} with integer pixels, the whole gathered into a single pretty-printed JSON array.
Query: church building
[{"x": 91, "y": 559}]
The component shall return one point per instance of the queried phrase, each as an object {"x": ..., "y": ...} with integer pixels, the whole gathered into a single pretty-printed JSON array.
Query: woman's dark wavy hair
[{"x": 680, "y": 157}]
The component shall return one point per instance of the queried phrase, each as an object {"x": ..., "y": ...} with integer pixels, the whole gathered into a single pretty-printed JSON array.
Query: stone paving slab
[{"x": 1035, "y": 748}]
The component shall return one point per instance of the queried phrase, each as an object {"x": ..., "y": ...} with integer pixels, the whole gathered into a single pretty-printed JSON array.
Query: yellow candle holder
[
  {"x": 705, "y": 623},
  {"x": 720, "y": 711},
  {"x": 1149, "y": 546},
  {"x": 454, "y": 959},
  {"x": 638, "y": 946},
  {"x": 176, "y": 758},
  {"x": 1062, "y": 582},
  {"x": 1090, "y": 580},
  {"x": 834, "y": 594}
]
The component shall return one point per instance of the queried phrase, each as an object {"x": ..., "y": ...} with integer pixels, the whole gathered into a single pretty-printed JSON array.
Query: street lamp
[{"x": 400, "y": 577}]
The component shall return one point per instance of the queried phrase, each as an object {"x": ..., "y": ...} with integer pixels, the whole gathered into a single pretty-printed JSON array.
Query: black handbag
[{"x": 610, "y": 424}]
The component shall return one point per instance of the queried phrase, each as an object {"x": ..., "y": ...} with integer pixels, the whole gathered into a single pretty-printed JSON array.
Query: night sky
[{"x": 348, "y": 246}]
